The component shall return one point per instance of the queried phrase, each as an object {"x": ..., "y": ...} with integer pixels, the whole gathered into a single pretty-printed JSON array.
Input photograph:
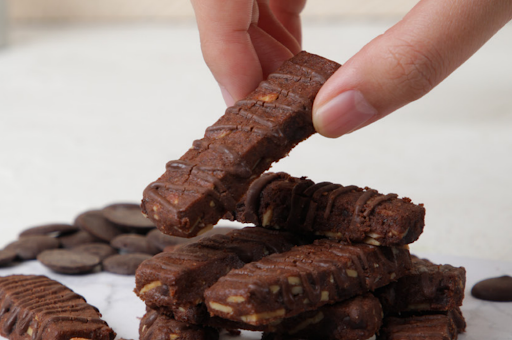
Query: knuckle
[{"x": 414, "y": 69}]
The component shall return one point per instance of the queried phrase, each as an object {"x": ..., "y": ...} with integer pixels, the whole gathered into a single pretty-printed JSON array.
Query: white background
[{"x": 90, "y": 114}]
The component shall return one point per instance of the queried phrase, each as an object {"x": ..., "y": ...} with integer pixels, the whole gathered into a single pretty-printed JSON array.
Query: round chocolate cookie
[
  {"x": 96, "y": 224},
  {"x": 216, "y": 230},
  {"x": 68, "y": 262},
  {"x": 124, "y": 264},
  {"x": 102, "y": 250},
  {"x": 54, "y": 229},
  {"x": 28, "y": 247},
  {"x": 497, "y": 289},
  {"x": 79, "y": 238},
  {"x": 7, "y": 257},
  {"x": 133, "y": 243},
  {"x": 128, "y": 216},
  {"x": 170, "y": 249},
  {"x": 160, "y": 240}
]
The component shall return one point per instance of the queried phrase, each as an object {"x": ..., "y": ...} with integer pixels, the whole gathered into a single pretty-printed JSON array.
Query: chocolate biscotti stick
[
  {"x": 154, "y": 326},
  {"x": 278, "y": 200},
  {"x": 421, "y": 327},
  {"x": 174, "y": 282},
  {"x": 428, "y": 287},
  {"x": 304, "y": 278},
  {"x": 210, "y": 178},
  {"x": 354, "y": 319},
  {"x": 38, "y": 308}
]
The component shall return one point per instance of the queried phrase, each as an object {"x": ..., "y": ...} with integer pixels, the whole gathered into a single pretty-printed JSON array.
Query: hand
[{"x": 243, "y": 40}]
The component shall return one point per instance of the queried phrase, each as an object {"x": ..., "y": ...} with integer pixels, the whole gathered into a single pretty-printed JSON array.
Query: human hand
[{"x": 244, "y": 40}]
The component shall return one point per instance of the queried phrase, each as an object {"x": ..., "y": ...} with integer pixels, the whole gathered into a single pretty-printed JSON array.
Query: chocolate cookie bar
[
  {"x": 38, "y": 308},
  {"x": 174, "y": 282},
  {"x": 210, "y": 178},
  {"x": 280, "y": 201},
  {"x": 357, "y": 318},
  {"x": 154, "y": 326},
  {"x": 428, "y": 287},
  {"x": 304, "y": 278},
  {"x": 422, "y": 327}
]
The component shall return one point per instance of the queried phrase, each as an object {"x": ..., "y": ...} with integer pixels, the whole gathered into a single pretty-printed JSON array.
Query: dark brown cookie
[
  {"x": 134, "y": 243},
  {"x": 161, "y": 241},
  {"x": 428, "y": 287},
  {"x": 303, "y": 279},
  {"x": 348, "y": 213},
  {"x": 154, "y": 326},
  {"x": 124, "y": 264},
  {"x": 352, "y": 319},
  {"x": 102, "y": 250},
  {"x": 214, "y": 231},
  {"x": 424, "y": 327},
  {"x": 54, "y": 229},
  {"x": 497, "y": 289},
  {"x": 7, "y": 257},
  {"x": 128, "y": 216},
  {"x": 96, "y": 224},
  {"x": 68, "y": 262},
  {"x": 79, "y": 238},
  {"x": 28, "y": 247},
  {"x": 211, "y": 177},
  {"x": 35, "y": 307},
  {"x": 174, "y": 282},
  {"x": 170, "y": 249}
]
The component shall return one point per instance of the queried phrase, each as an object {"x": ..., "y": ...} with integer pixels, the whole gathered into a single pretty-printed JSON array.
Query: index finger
[{"x": 226, "y": 44}]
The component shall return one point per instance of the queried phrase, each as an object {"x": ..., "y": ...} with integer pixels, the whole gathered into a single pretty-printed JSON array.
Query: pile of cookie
[
  {"x": 291, "y": 283},
  {"x": 322, "y": 261}
]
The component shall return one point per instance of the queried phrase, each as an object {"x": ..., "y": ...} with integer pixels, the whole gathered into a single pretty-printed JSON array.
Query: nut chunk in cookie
[
  {"x": 280, "y": 201},
  {"x": 154, "y": 326},
  {"x": 209, "y": 179},
  {"x": 174, "y": 282},
  {"x": 304, "y": 278},
  {"x": 36, "y": 307},
  {"x": 354, "y": 319}
]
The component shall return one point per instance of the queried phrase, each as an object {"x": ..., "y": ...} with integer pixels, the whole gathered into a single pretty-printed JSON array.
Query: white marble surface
[{"x": 113, "y": 295}]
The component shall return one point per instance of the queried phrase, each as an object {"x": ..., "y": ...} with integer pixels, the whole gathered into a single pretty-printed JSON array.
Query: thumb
[{"x": 406, "y": 62}]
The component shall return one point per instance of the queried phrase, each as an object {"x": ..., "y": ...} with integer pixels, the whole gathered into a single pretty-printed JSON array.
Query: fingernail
[
  {"x": 343, "y": 114},
  {"x": 228, "y": 99}
]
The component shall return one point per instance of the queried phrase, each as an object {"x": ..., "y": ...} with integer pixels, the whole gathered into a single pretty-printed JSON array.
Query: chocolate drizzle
[
  {"x": 239, "y": 167},
  {"x": 205, "y": 261},
  {"x": 211, "y": 177},
  {"x": 326, "y": 266},
  {"x": 304, "y": 196},
  {"x": 41, "y": 304},
  {"x": 348, "y": 213}
]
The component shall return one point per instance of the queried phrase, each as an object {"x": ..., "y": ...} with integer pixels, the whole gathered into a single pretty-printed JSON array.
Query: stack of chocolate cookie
[{"x": 322, "y": 261}]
